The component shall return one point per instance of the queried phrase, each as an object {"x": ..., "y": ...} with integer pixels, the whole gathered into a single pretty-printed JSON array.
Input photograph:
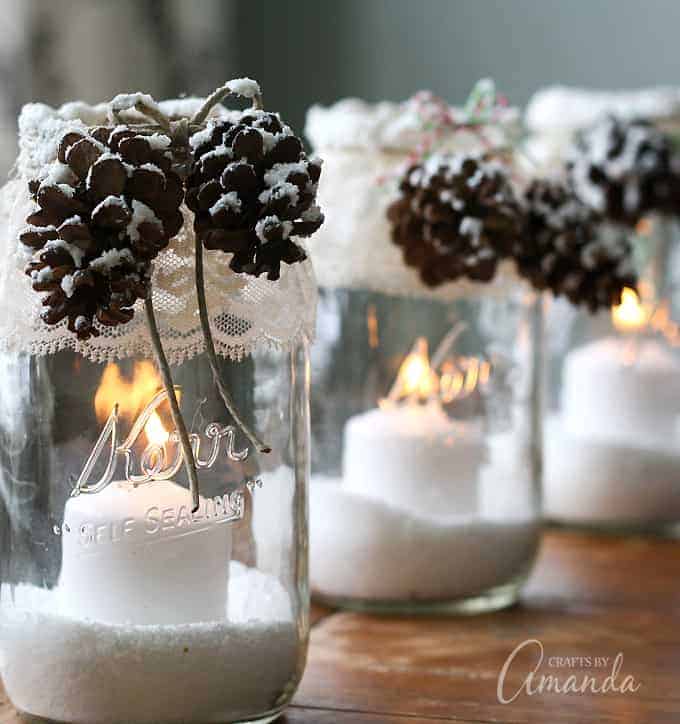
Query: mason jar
[
  {"x": 118, "y": 602},
  {"x": 122, "y": 599},
  {"x": 612, "y": 429},
  {"x": 426, "y": 467},
  {"x": 425, "y": 487}
]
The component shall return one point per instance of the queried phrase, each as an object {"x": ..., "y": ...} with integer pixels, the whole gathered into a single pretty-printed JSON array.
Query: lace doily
[{"x": 245, "y": 312}]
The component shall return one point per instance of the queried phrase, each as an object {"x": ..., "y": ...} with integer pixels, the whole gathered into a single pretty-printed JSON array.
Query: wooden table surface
[
  {"x": 589, "y": 599},
  {"x": 589, "y": 596}
]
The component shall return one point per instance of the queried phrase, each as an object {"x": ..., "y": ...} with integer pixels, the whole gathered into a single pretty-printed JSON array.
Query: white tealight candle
[
  {"x": 138, "y": 555},
  {"x": 414, "y": 457}
]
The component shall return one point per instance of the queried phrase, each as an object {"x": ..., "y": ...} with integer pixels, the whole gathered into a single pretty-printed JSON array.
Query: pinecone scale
[
  {"x": 252, "y": 189},
  {"x": 105, "y": 209},
  {"x": 456, "y": 217}
]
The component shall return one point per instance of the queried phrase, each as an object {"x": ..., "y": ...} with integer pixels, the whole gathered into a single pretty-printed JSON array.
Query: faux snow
[
  {"x": 123, "y": 101},
  {"x": 67, "y": 285},
  {"x": 246, "y": 87},
  {"x": 141, "y": 214},
  {"x": 112, "y": 258},
  {"x": 368, "y": 549},
  {"x": 281, "y": 190},
  {"x": 564, "y": 107},
  {"x": 354, "y": 123},
  {"x": 109, "y": 201},
  {"x": 279, "y": 172},
  {"x": 158, "y": 141},
  {"x": 555, "y": 113},
  {"x": 76, "y": 252},
  {"x": 229, "y": 201},
  {"x": 87, "y": 672},
  {"x": 262, "y": 224}
]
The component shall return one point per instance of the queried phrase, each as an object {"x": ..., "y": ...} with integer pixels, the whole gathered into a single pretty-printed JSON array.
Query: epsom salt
[{"x": 85, "y": 671}]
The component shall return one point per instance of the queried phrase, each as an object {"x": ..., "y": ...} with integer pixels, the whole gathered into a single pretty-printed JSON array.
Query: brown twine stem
[
  {"x": 179, "y": 132},
  {"x": 216, "y": 97},
  {"x": 178, "y": 420},
  {"x": 212, "y": 357},
  {"x": 199, "y": 118},
  {"x": 153, "y": 113}
]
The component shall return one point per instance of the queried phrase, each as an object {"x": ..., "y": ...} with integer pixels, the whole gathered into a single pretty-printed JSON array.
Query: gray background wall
[{"x": 304, "y": 51}]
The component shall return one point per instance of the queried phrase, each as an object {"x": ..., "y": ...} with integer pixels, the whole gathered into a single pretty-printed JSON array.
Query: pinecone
[
  {"x": 456, "y": 216},
  {"x": 625, "y": 169},
  {"x": 252, "y": 188},
  {"x": 566, "y": 249},
  {"x": 107, "y": 207}
]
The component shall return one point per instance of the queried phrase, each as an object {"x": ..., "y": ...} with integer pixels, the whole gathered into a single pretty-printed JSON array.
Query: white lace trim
[
  {"x": 245, "y": 312},
  {"x": 353, "y": 249}
]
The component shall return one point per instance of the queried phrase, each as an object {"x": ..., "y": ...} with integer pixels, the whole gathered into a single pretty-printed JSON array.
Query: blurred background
[{"x": 306, "y": 51}]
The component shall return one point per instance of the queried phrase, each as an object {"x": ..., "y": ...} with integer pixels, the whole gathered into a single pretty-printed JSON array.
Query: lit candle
[
  {"x": 422, "y": 495},
  {"x": 613, "y": 455},
  {"x": 135, "y": 553},
  {"x": 407, "y": 452}
]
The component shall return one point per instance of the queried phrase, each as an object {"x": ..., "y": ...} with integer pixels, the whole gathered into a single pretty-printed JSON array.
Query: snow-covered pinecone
[
  {"x": 625, "y": 169},
  {"x": 252, "y": 189},
  {"x": 566, "y": 249},
  {"x": 107, "y": 206},
  {"x": 456, "y": 216}
]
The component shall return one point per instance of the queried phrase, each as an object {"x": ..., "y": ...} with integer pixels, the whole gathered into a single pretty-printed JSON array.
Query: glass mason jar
[
  {"x": 118, "y": 603},
  {"x": 612, "y": 445},
  {"x": 426, "y": 467}
]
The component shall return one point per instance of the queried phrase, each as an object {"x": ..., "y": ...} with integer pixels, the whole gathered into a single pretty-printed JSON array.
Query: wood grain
[
  {"x": 589, "y": 596},
  {"x": 610, "y": 570},
  {"x": 299, "y": 715}
]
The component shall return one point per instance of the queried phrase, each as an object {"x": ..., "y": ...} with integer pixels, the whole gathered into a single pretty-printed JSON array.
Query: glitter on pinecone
[
  {"x": 252, "y": 189},
  {"x": 625, "y": 169},
  {"x": 456, "y": 216},
  {"x": 566, "y": 249},
  {"x": 106, "y": 207}
]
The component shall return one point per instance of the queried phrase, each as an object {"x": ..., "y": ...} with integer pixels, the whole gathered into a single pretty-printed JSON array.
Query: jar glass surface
[
  {"x": 121, "y": 604},
  {"x": 613, "y": 402},
  {"x": 425, "y": 487}
]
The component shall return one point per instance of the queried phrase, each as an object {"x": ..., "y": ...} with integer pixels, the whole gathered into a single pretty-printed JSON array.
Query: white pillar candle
[
  {"x": 619, "y": 388},
  {"x": 414, "y": 457},
  {"x": 138, "y": 555},
  {"x": 613, "y": 455}
]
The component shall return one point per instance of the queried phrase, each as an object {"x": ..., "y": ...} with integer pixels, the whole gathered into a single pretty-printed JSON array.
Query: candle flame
[
  {"x": 155, "y": 431},
  {"x": 631, "y": 315},
  {"x": 132, "y": 396},
  {"x": 417, "y": 380}
]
